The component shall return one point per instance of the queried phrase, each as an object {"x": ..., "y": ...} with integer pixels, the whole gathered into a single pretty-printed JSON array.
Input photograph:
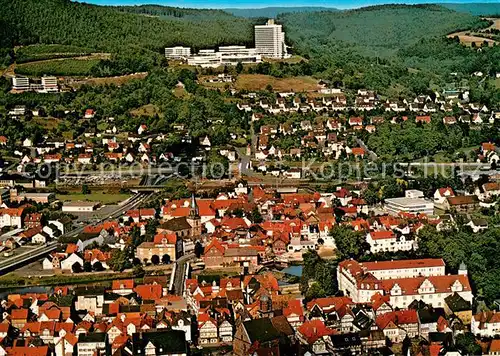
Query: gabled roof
[
  {"x": 401, "y": 317},
  {"x": 149, "y": 291},
  {"x": 313, "y": 330}
]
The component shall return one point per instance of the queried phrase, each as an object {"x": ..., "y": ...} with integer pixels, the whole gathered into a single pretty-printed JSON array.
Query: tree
[
  {"x": 76, "y": 267},
  {"x": 138, "y": 271},
  {"x": 256, "y": 216},
  {"x": 217, "y": 166},
  {"x": 87, "y": 267},
  {"x": 155, "y": 259},
  {"x": 467, "y": 344},
  {"x": 118, "y": 260},
  {"x": 135, "y": 235},
  {"x": 85, "y": 189},
  {"x": 198, "y": 249},
  {"x": 98, "y": 267},
  {"x": 165, "y": 259},
  {"x": 239, "y": 67},
  {"x": 350, "y": 243},
  {"x": 315, "y": 291}
]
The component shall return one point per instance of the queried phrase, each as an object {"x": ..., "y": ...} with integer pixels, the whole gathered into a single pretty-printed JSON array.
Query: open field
[
  {"x": 47, "y": 123},
  {"x": 260, "y": 82},
  {"x": 467, "y": 39},
  {"x": 80, "y": 66},
  {"x": 497, "y": 82},
  {"x": 118, "y": 80},
  {"x": 145, "y": 110},
  {"x": 478, "y": 38},
  {"x": 104, "y": 198},
  {"x": 48, "y": 51}
]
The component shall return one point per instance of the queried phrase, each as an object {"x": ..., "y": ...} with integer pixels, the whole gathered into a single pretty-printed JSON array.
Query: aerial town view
[{"x": 249, "y": 178}]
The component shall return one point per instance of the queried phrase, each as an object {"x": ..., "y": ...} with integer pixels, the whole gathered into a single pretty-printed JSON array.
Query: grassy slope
[
  {"x": 378, "y": 30},
  {"x": 69, "y": 66}
]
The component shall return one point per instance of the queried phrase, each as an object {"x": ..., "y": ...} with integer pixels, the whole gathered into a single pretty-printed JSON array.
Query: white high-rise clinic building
[{"x": 270, "y": 40}]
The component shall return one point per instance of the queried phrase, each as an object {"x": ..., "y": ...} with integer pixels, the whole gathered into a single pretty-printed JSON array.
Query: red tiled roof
[
  {"x": 214, "y": 244},
  {"x": 12, "y": 211},
  {"x": 71, "y": 248},
  {"x": 19, "y": 314},
  {"x": 400, "y": 317},
  {"x": 488, "y": 146},
  {"x": 358, "y": 151},
  {"x": 447, "y": 190},
  {"x": 313, "y": 330},
  {"x": 294, "y": 307},
  {"x": 378, "y": 300},
  {"x": 410, "y": 286},
  {"x": 27, "y": 351},
  {"x": 403, "y": 264},
  {"x": 426, "y": 119},
  {"x": 329, "y": 303},
  {"x": 381, "y": 235},
  {"x": 161, "y": 239},
  {"x": 123, "y": 284},
  {"x": 149, "y": 291}
]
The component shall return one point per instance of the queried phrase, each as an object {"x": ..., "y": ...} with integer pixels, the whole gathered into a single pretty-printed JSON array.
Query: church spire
[{"x": 193, "y": 208}]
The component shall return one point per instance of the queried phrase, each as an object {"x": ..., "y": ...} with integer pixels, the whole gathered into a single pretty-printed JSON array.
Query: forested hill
[
  {"x": 485, "y": 9},
  {"x": 373, "y": 31},
  {"x": 106, "y": 29},
  {"x": 176, "y": 12},
  {"x": 275, "y": 11}
]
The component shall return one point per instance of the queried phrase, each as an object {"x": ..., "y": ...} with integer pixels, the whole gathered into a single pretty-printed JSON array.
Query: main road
[
  {"x": 180, "y": 273},
  {"x": 29, "y": 256}
]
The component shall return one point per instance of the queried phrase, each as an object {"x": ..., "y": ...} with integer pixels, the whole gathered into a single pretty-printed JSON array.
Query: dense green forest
[
  {"x": 376, "y": 31},
  {"x": 176, "y": 12},
  {"x": 270, "y": 12},
  {"x": 103, "y": 28},
  {"x": 370, "y": 47}
]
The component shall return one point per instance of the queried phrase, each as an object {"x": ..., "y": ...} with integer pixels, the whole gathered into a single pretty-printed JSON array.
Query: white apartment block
[
  {"x": 49, "y": 84},
  {"x": 11, "y": 217},
  {"x": 405, "y": 268},
  {"x": 403, "y": 281},
  {"x": 20, "y": 83},
  {"x": 270, "y": 40},
  {"x": 178, "y": 52},
  {"x": 383, "y": 241},
  {"x": 228, "y": 55}
]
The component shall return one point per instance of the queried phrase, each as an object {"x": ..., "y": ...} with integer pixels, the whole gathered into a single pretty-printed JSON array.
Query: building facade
[{"x": 270, "y": 40}]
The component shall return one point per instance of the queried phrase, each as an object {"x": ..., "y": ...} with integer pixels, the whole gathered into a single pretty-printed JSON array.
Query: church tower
[
  {"x": 194, "y": 217},
  {"x": 462, "y": 269}
]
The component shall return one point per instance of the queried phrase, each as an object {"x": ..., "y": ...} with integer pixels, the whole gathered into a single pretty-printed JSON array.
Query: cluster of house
[
  {"x": 21, "y": 227},
  {"x": 93, "y": 146},
  {"x": 293, "y": 222},
  {"x": 330, "y": 137},
  {"x": 123, "y": 319},
  {"x": 334, "y": 100},
  {"x": 252, "y": 311},
  {"x": 383, "y": 302}
]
